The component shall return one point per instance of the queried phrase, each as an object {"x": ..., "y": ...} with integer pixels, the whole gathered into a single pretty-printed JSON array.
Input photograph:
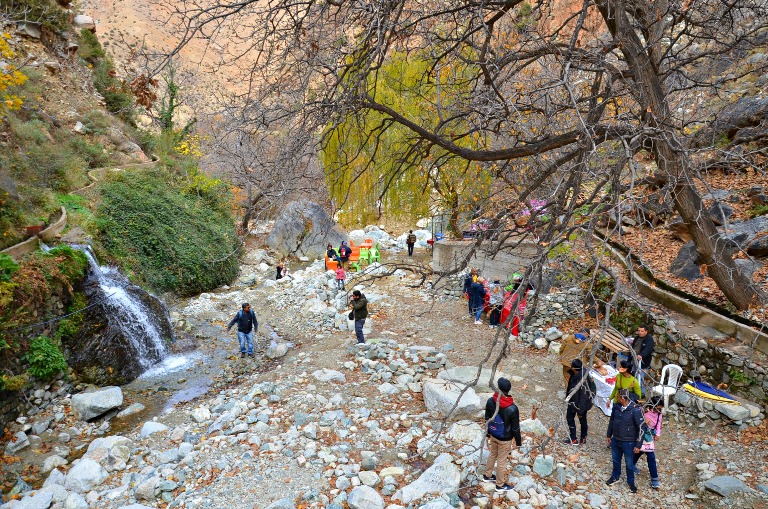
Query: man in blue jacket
[
  {"x": 246, "y": 326},
  {"x": 625, "y": 435}
]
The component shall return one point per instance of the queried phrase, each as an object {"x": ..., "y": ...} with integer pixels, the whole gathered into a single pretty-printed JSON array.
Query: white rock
[
  {"x": 85, "y": 475},
  {"x": 388, "y": 388},
  {"x": 440, "y": 397},
  {"x": 75, "y": 501},
  {"x": 19, "y": 442},
  {"x": 82, "y": 21},
  {"x": 364, "y": 497},
  {"x": 201, "y": 414},
  {"x": 440, "y": 478},
  {"x": 38, "y": 500},
  {"x": 467, "y": 375},
  {"x": 152, "y": 427},
  {"x": 88, "y": 405},
  {"x": 112, "y": 452},
  {"x": 52, "y": 462},
  {"x": 369, "y": 478},
  {"x": 533, "y": 426},
  {"x": 329, "y": 375}
]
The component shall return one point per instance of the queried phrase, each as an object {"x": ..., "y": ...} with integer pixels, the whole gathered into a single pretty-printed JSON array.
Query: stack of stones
[
  {"x": 397, "y": 367},
  {"x": 692, "y": 409}
]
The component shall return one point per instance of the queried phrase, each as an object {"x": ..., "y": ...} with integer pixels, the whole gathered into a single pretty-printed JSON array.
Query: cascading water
[{"x": 126, "y": 332}]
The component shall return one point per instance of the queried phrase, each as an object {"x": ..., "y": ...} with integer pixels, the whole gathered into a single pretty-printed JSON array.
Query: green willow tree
[{"x": 372, "y": 164}]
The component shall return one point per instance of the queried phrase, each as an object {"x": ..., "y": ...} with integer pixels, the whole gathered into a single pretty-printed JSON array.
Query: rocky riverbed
[{"x": 317, "y": 421}]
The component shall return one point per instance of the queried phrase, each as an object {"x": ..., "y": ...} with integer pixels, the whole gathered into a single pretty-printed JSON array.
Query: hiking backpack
[{"x": 496, "y": 427}]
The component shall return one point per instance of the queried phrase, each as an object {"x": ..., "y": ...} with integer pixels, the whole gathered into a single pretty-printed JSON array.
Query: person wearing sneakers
[
  {"x": 579, "y": 399},
  {"x": 477, "y": 299},
  {"x": 246, "y": 326},
  {"x": 651, "y": 434},
  {"x": 503, "y": 419},
  {"x": 625, "y": 436}
]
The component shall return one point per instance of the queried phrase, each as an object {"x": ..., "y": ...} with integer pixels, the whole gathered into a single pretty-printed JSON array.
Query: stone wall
[
  {"x": 38, "y": 394},
  {"x": 450, "y": 254},
  {"x": 717, "y": 360}
]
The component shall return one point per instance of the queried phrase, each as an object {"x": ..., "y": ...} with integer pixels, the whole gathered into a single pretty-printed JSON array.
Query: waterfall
[{"x": 137, "y": 329}]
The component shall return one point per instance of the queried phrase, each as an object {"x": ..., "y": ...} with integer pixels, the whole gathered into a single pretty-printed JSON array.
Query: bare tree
[{"x": 553, "y": 106}]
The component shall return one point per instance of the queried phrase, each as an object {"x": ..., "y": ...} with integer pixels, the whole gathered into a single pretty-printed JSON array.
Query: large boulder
[
  {"x": 467, "y": 374},
  {"x": 112, "y": 452},
  {"x": 84, "y": 476},
  {"x": 304, "y": 228},
  {"x": 686, "y": 264},
  {"x": 725, "y": 485},
  {"x": 365, "y": 497},
  {"x": 440, "y": 478},
  {"x": 88, "y": 405},
  {"x": 440, "y": 397}
]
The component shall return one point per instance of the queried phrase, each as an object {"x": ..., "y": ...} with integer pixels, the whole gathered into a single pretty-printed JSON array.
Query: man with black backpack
[
  {"x": 503, "y": 419},
  {"x": 246, "y": 326}
]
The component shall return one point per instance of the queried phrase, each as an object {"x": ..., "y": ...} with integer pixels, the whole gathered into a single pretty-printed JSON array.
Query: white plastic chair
[{"x": 671, "y": 373}]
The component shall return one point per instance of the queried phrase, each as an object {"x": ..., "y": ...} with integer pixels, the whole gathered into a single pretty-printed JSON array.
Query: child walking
[
  {"x": 340, "y": 277},
  {"x": 653, "y": 427}
]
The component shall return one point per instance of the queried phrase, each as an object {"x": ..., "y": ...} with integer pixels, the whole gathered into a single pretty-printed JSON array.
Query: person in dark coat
[
  {"x": 503, "y": 405},
  {"x": 580, "y": 396},
  {"x": 625, "y": 436},
  {"x": 468, "y": 280},
  {"x": 643, "y": 346},
  {"x": 477, "y": 299},
  {"x": 359, "y": 313}
]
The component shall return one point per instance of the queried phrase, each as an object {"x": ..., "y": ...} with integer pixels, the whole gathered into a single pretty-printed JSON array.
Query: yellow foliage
[
  {"x": 190, "y": 146},
  {"x": 9, "y": 77}
]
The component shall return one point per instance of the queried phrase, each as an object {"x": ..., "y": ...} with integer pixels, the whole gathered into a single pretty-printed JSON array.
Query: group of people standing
[
  {"x": 633, "y": 428},
  {"x": 498, "y": 300}
]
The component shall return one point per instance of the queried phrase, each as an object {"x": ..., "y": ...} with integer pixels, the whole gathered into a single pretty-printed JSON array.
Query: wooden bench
[{"x": 612, "y": 339}]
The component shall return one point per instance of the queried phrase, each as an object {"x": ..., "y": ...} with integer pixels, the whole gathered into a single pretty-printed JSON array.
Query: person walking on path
[
  {"x": 579, "y": 400},
  {"x": 410, "y": 241},
  {"x": 341, "y": 276},
  {"x": 468, "y": 280},
  {"x": 625, "y": 436},
  {"x": 477, "y": 299},
  {"x": 625, "y": 380},
  {"x": 643, "y": 346},
  {"x": 246, "y": 326},
  {"x": 359, "y": 313},
  {"x": 650, "y": 436},
  {"x": 496, "y": 301},
  {"x": 503, "y": 419}
]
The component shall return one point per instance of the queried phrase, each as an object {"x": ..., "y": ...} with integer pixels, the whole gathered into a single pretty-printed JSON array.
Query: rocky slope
[{"x": 334, "y": 425}]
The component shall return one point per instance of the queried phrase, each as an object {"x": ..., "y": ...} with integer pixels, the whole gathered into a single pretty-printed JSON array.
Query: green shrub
[
  {"x": 165, "y": 238},
  {"x": 69, "y": 327},
  {"x": 116, "y": 93},
  {"x": 89, "y": 48},
  {"x": 45, "y": 358},
  {"x": 7, "y": 267},
  {"x": 758, "y": 210},
  {"x": 13, "y": 382},
  {"x": 93, "y": 153},
  {"x": 46, "y": 12}
]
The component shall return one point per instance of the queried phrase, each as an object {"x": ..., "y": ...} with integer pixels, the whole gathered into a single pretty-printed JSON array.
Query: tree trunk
[{"x": 672, "y": 158}]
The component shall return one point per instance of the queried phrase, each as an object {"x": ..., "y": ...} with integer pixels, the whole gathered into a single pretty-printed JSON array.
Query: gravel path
[{"x": 272, "y": 430}]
